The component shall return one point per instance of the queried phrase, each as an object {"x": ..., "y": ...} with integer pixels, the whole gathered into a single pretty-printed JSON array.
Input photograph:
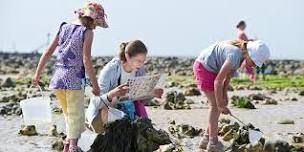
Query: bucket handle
[{"x": 40, "y": 90}]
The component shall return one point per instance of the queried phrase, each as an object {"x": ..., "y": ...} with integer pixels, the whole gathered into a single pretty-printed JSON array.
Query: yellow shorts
[{"x": 72, "y": 104}]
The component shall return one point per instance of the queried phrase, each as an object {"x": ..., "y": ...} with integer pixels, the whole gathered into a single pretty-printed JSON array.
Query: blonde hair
[
  {"x": 240, "y": 44},
  {"x": 86, "y": 21},
  {"x": 132, "y": 48}
]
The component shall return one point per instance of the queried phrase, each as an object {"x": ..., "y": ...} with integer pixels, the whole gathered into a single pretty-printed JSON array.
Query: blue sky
[{"x": 168, "y": 27}]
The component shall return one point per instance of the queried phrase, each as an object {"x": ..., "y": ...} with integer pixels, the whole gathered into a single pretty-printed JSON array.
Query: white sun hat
[{"x": 258, "y": 52}]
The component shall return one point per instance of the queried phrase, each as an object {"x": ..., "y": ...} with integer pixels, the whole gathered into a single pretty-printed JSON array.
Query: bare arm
[
  {"x": 225, "y": 90},
  {"x": 220, "y": 83},
  {"x": 88, "y": 40},
  {"x": 243, "y": 36},
  {"x": 47, "y": 54}
]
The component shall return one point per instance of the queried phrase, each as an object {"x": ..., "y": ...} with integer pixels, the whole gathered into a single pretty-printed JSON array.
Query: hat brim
[{"x": 102, "y": 23}]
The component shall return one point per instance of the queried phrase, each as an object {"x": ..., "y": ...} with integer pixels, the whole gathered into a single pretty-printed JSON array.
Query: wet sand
[{"x": 264, "y": 117}]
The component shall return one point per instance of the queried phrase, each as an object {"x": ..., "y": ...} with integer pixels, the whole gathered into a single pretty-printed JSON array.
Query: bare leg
[
  {"x": 213, "y": 116},
  {"x": 103, "y": 115}
]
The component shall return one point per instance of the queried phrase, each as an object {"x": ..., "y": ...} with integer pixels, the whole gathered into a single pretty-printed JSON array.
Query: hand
[
  {"x": 35, "y": 80},
  {"x": 157, "y": 92},
  {"x": 121, "y": 90},
  {"x": 96, "y": 90},
  {"x": 224, "y": 110}
]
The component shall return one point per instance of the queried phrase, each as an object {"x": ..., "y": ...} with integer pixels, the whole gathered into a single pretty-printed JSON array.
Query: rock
[
  {"x": 240, "y": 138},
  {"x": 13, "y": 97},
  {"x": 228, "y": 135},
  {"x": 189, "y": 101},
  {"x": 254, "y": 88},
  {"x": 174, "y": 100},
  {"x": 296, "y": 148},
  {"x": 57, "y": 110},
  {"x": 270, "y": 102},
  {"x": 182, "y": 106},
  {"x": 62, "y": 136},
  {"x": 28, "y": 131},
  {"x": 184, "y": 130},
  {"x": 139, "y": 135},
  {"x": 298, "y": 138},
  {"x": 172, "y": 122},
  {"x": 225, "y": 121},
  {"x": 242, "y": 102},
  {"x": 180, "y": 97},
  {"x": 257, "y": 147},
  {"x": 286, "y": 121},
  {"x": 170, "y": 148},
  {"x": 53, "y": 96},
  {"x": 192, "y": 85},
  {"x": 3, "y": 99},
  {"x": 3, "y": 111},
  {"x": 258, "y": 96},
  {"x": 53, "y": 131},
  {"x": 273, "y": 91},
  {"x": 230, "y": 88},
  {"x": 58, "y": 145},
  {"x": 8, "y": 83},
  {"x": 152, "y": 102},
  {"x": 301, "y": 93},
  {"x": 192, "y": 92},
  {"x": 294, "y": 99},
  {"x": 269, "y": 147},
  {"x": 172, "y": 84},
  {"x": 170, "y": 96},
  {"x": 240, "y": 87},
  {"x": 18, "y": 111},
  {"x": 227, "y": 127},
  {"x": 11, "y": 109},
  {"x": 276, "y": 146},
  {"x": 169, "y": 106}
]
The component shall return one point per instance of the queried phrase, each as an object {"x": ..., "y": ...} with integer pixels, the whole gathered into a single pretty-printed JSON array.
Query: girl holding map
[{"x": 112, "y": 82}]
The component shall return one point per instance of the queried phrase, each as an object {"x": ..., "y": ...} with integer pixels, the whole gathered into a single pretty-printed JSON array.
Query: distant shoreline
[{"x": 151, "y": 56}]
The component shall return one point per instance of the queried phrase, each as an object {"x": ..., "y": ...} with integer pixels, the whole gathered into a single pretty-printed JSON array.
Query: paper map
[{"x": 141, "y": 87}]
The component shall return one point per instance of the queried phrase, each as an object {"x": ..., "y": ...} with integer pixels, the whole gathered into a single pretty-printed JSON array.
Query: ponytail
[
  {"x": 240, "y": 44},
  {"x": 122, "y": 51},
  {"x": 131, "y": 48}
]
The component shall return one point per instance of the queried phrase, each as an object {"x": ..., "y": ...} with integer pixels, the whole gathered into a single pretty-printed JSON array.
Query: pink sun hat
[{"x": 95, "y": 11}]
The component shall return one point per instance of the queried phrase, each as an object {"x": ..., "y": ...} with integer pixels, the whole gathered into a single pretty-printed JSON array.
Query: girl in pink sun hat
[
  {"x": 213, "y": 69},
  {"x": 73, "y": 42},
  {"x": 94, "y": 11}
]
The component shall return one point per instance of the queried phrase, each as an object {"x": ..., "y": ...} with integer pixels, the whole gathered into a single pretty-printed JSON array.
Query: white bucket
[
  {"x": 254, "y": 136},
  {"x": 36, "y": 110}
]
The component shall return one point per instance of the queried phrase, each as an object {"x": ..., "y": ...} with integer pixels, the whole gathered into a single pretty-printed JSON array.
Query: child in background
[
  {"x": 74, "y": 41},
  {"x": 241, "y": 35}
]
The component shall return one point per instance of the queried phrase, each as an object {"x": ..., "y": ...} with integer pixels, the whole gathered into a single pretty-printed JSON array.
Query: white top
[{"x": 126, "y": 75}]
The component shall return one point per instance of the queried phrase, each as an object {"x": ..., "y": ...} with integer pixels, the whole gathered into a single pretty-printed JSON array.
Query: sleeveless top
[{"x": 69, "y": 72}]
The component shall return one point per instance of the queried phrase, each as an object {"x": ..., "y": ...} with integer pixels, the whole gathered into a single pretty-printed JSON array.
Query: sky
[{"x": 167, "y": 27}]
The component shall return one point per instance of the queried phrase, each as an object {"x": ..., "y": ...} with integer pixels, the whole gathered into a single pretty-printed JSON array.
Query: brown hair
[
  {"x": 241, "y": 23},
  {"x": 87, "y": 21},
  {"x": 132, "y": 48}
]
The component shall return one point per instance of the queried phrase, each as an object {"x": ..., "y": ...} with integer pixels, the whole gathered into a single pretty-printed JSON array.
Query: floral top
[{"x": 69, "y": 69}]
